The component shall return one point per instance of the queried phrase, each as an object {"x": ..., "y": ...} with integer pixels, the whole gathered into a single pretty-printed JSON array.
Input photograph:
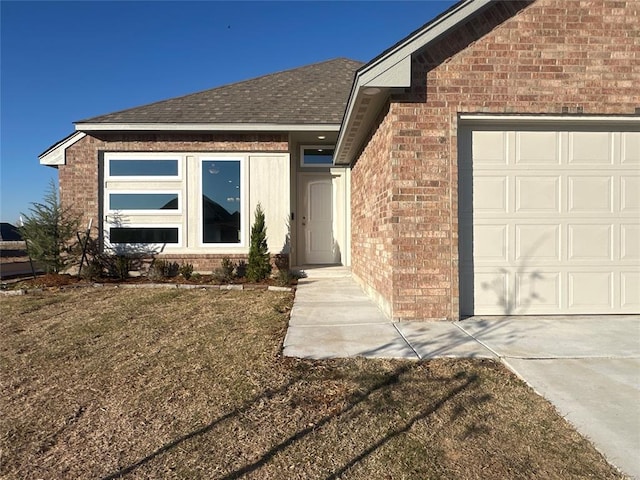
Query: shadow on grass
[
  {"x": 388, "y": 382},
  {"x": 266, "y": 395}
]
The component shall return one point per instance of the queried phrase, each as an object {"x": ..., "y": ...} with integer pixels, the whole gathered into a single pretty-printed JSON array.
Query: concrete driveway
[{"x": 588, "y": 367}]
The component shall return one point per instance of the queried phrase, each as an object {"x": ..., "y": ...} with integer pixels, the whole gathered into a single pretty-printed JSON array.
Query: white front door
[{"x": 315, "y": 219}]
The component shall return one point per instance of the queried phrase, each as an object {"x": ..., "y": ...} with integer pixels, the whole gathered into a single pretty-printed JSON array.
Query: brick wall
[
  {"x": 79, "y": 178},
  {"x": 372, "y": 232},
  {"x": 550, "y": 57}
]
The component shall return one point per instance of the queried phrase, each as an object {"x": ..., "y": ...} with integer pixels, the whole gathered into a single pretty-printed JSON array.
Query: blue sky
[{"x": 66, "y": 61}]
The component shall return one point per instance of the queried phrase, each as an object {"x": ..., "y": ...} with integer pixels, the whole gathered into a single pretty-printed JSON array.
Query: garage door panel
[
  {"x": 538, "y": 291},
  {"x": 491, "y": 243},
  {"x": 537, "y": 194},
  {"x": 590, "y": 290},
  {"x": 630, "y": 286},
  {"x": 590, "y": 194},
  {"x": 590, "y": 148},
  {"x": 630, "y": 148},
  {"x": 537, "y": 148},
  {"x": 492, "y": 292},
  {"x": 489, "y": 148},
  {"x": 630, "y": 242},
  {"x": 537, "y": 243},
  {"x": 590, "y": 242},
  {"x": 491, "y": 194},
  {"x": 630, "y": 194},
  {"x": 554, "y": 221}
]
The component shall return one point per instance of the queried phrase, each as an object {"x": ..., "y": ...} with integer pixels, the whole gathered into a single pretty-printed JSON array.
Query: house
[
  {"x": 9, "y": 233},
  {"x": 183, "y": 176},
  {"x": 488, "y": 163}
]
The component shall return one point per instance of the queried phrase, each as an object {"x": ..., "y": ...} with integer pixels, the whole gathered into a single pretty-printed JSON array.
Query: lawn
[{"x": 107, "y": 383}]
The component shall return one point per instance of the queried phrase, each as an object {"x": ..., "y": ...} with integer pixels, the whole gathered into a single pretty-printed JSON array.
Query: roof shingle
[{"x": 313, "y": 94}]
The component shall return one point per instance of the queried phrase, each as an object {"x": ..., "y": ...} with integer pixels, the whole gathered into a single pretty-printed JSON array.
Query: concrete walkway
[{"x": 587, "y": 366}]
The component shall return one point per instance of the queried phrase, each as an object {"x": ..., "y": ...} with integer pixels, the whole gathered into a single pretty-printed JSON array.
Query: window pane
[
  {"x": 318, "y": 156},
  {"x": 143, "y": 168},
  {"x": 221, "y": 201},
  {"x": 143, "y": 235},
  {"x": 143, "y": 201}
]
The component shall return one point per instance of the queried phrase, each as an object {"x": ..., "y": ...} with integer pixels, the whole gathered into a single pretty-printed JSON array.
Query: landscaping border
[{"x": 186, "y": 286}]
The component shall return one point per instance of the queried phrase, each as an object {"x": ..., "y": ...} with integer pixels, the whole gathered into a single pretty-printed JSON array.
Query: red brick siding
[
  {"x": 372, "y": 220},
  {"x": 552, "y": 57},
  {"x": 79, "y": 180}
]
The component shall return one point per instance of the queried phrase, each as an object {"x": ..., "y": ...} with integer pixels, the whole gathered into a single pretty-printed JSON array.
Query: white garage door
[{"x": 549, "y": 220}]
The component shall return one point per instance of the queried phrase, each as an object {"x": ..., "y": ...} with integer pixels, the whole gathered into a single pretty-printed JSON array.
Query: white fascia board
[
  {"x": 56, "y": 155},
  {"x": 205, "y": 127},
  {"x": 570, "y": 118},
  {"x": 397, "y": 75}
]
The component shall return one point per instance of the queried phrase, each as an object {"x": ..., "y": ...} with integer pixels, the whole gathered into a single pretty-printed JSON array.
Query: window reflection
[
  {"x": 143, "y": 168},
  {"x": 143, "y": 201},
  {"x": 319, "y": 156},
  {"x": 221, "y": 195}
]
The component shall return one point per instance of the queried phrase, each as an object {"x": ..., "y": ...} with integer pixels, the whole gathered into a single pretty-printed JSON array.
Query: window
[
  {"x": 316, "y": 156},
  {"x": 158, "y": 201},
  {"x": 144, "y": 235},
  {"x": 123, "y": 167},
  {"x": 221, "y": 201}
]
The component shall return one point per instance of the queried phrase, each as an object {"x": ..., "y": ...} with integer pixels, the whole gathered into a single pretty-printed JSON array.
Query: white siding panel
[{"x": 269, "y": 186}]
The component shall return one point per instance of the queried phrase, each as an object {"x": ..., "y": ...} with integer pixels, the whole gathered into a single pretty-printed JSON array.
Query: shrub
[
  {"x": 227, "y": 267},
  {"x": 161, "y": 269},
  {"x": 241, "y": 269},
  {"x": 117, "y": 266},
  {"x": 186, "y": 270},
  {"x": 92, "y": 270},
  {"x": 48, "y": 232},
  {"x": 287, "y": 277},
  {"x": 259, "y": 266},
  {"x": 224, "y": 273}
]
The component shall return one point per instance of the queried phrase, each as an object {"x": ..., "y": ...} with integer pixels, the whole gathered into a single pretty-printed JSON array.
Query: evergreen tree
[
  {"x": 259, "y": 266},
  {"x": 48, "y": 231}
]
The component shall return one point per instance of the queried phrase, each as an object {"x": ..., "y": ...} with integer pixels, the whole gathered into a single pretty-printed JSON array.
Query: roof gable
[
  {"x": 313, "y": 94},
  {"x": 392, "y": 70}
]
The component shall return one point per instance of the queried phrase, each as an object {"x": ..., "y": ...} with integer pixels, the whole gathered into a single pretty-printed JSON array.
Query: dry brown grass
[{"x": 119, "y": 383}]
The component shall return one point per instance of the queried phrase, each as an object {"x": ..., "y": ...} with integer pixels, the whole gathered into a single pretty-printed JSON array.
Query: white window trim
[
  {"x": 109, "y": 210},
  {"x": 141, "y": 156},
  {"x": 243, "y": 203},
  {"x": 315, "y": 147},
  {"x": 155, "y": 247}
]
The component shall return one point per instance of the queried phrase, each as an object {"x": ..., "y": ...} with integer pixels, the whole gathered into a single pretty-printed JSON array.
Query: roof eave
[
  {"x": 390, "y": 70},
  {"x": 56, "y": 154},
  {"x": 205, "y": 127}
]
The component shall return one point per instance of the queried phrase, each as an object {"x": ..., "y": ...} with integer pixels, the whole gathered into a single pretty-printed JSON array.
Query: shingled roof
[{"x": 313, "y": 94}]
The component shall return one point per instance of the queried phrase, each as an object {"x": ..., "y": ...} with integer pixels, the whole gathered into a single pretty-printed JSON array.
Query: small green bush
[
  {"x": 259, "y": 266},
  {"x": 49, "y": 232}
]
